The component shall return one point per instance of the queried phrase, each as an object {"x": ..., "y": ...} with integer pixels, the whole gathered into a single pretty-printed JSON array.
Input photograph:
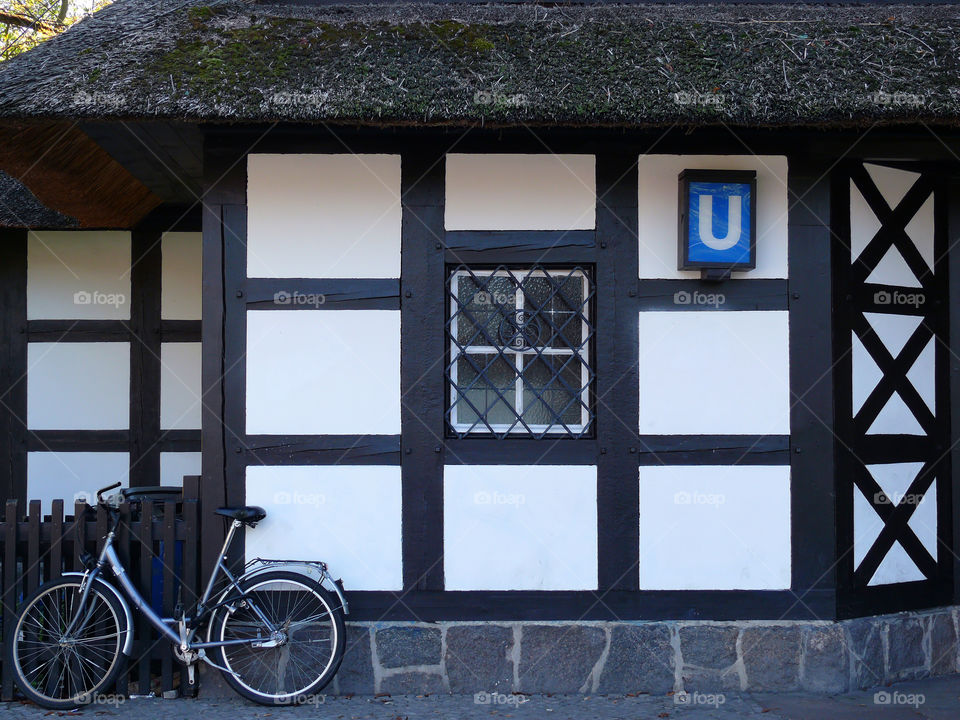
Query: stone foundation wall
[{"x": 652, "y": 657}]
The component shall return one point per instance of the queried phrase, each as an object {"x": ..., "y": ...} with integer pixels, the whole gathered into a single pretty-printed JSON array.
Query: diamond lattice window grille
[{"x": 520, "y": 351}]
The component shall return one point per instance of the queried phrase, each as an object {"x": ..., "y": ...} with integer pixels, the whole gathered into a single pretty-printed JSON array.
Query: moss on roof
[{"x": 612, "y": 65}]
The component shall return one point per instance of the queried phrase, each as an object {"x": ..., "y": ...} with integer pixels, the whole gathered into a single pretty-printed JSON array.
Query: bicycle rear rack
[{"x": 316, "y": 569}]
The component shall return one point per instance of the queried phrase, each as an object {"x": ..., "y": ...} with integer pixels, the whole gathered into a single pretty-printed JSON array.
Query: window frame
[{"x": 585, "y": 353}]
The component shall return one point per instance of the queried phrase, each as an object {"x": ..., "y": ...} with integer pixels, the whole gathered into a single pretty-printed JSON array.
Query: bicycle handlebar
[{"x": 101, "y": 491}]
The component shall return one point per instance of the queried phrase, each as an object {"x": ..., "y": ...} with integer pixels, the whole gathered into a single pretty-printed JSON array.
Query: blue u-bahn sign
[{"x": 718, "y": 220}]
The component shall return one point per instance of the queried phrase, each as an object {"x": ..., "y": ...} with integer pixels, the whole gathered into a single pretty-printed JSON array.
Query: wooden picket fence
[{"x": 159, "y": 543}]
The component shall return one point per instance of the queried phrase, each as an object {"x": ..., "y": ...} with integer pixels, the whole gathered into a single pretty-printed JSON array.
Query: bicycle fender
[
  {"x": 308, "y": 569},
  {"x": 128, "y": 641}
]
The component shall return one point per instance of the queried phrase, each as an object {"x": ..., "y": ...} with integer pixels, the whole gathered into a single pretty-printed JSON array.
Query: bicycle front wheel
[
  {"x": 308, "y": 652},
  {"x": 64, "y": 654}
]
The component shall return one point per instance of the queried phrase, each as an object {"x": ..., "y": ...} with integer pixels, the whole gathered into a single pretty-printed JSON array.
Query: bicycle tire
[
  {"x": 26, "y": 645},
  {"x": 296, "y": 678}
]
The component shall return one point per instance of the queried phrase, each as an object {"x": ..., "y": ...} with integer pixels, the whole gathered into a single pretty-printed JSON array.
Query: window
[{"x": 520, "y": 342}]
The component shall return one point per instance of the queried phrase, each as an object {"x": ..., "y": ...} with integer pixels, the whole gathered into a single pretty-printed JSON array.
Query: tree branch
[{"x": 8, "y": 18}]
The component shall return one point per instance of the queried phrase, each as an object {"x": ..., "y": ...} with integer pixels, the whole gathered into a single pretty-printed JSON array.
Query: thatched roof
[
  {"x": 451, "y": 64},
  {"x": 20, "y": 208}
]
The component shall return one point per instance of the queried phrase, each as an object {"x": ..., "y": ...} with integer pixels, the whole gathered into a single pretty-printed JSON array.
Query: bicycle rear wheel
[
  {"x": 59, "y": 663},
  {"x": 303, "y": 661}
]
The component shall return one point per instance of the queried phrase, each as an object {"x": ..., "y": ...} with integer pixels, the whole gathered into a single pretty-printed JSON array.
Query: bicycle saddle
[{"x": 248, "y": 514}]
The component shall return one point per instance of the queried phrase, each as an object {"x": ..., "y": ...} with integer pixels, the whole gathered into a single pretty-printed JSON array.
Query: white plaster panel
[
  {"x": 714, "y": 372},
  {"x": 78, "y": 386},
  {"x": 866, "y": 372},
  {"x": 180, "y": 387},
  {"x": 512, "y": 527},
  {"x": 864, "y": 224},
  {"x": 78, "y": 275},
  {"x": 72, "y": 476},
  {"x": 893, "y": 270},
  {"x": 715, "y": 528},
  {"x": 895, "y": 418},
  {"x": 347, "y": 516},
  {"x": 659, "y": 211},
  {"x": 892, "y": 183},
  {"x": 923, "y": 375},
  {"x": 921, "y": 231},
  {"x": 866, "y": 526},
  {"x": 182, "y": 276},
  {"x": 323, "y": 372},
  {"x": 896, "y": 567},
  {"x": 893, "y": 330},
  {"x": 174, "y": 465},
  {"x": 923, "y": 522},
  {"x": 521, "y": 192},
  {"x": 323, "y": 216}
]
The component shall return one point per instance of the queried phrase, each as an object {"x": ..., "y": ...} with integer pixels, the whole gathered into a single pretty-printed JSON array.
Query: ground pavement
[{"x": 937, "y": 699}]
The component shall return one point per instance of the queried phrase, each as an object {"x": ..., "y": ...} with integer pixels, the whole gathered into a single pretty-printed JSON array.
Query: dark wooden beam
[
  {"x": 953, "y": 297},
  {"x": 813, "y": 536},
  {"x": 614, "y": 605},
  {"x": 422, "y": 388},
  {"x": 213, "y": 467},
  {"x": 735, "y": 294},
  {"x": 616, "y": 398},
  {"x": 323, "y": 294},
  {"x": 13, "y": 364},
  {"x": 145, "y": 348}
]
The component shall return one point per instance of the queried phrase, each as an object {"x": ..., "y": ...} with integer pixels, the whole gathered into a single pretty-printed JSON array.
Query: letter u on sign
[{"x": 733, "y": 222}]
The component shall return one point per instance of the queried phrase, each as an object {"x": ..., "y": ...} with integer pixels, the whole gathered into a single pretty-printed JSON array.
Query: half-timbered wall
[
  {"x": 893, "y": 426},
  {"x": 320, "y": 367},
  {"x": 712, "y": 366},
  {"x": 111, "y": 366},
  {"x": 336, "y": 375}
]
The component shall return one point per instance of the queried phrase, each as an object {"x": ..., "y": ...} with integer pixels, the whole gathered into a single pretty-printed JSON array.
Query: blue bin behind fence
[{"x": 156, "y": 586}]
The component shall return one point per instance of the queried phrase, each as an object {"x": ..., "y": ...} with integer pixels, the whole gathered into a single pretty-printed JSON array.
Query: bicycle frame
[{"x": 109, "y": 557}]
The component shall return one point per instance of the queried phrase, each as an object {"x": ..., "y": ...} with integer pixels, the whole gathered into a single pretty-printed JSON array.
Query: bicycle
[{"x": 276, "y": 631}]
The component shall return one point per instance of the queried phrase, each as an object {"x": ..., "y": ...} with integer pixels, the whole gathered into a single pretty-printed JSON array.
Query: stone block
[
  {"x": 641, "y": 659},
  {"x": 478, "y": 658},
  {"x": 403, "y": 646},
  {"x": 771, "y": 657},
  {"x": 412, "y": 683},
  {"x": 865, "y": 645},
  {"x": 558, "y": 658},
  {"x": 825, "y": 660},
  {"x": 356, "y": 671}
]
